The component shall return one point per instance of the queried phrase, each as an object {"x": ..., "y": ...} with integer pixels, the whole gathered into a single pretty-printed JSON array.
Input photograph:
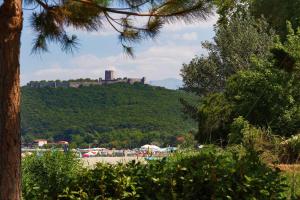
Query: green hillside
[{"x": 118, "y": 115}]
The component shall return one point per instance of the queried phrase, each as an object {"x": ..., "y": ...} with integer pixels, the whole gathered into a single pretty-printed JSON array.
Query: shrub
[
  {"x": 261, "y": 140},
  {"x": 46, "y": 176},
  {"x": 236, "y": 130},
  {"x": 211, "y": 173}
]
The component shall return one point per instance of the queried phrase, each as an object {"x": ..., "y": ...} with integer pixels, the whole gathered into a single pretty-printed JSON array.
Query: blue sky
[{"x": 156, "y": 59}]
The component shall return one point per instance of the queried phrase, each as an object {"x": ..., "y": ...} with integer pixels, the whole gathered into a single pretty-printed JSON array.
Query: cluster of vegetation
[
  {"x": 211, "y": 173},
  {"x": 249, "y": 105},
  {"x": 52, "y": 21},
  {"x": 118, "y": 115},
  {"x": 250, "y": 79},
  {"x": 249, "y": 96},
  {"x": 248, "y": 83}
]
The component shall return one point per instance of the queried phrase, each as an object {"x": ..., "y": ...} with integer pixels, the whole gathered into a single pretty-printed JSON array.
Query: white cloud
[
  {"x": 189, "y": 36},
  {"x": 163, "y": 59}
]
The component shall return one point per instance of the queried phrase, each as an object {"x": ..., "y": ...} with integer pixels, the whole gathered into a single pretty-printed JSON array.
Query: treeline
[{"x": 118, "y": 115}]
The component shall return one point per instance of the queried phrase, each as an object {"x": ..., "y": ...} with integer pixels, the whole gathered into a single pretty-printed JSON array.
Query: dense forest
[{"x": 118, "y": 115}]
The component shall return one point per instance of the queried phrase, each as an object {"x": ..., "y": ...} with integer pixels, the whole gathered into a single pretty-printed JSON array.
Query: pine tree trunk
[{"x": 10, "y": 141}]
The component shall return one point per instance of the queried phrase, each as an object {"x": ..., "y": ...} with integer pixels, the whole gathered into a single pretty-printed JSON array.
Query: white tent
[{"x": 149, "y": 146}]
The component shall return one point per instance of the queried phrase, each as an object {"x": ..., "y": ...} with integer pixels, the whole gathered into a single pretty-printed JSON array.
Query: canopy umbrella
[{"x": 149, "y": 146}]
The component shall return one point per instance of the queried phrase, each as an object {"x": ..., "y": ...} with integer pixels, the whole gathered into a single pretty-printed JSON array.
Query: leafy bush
[
  {"x": 211, "y": 173},
  {"x": 264, "y": 142},
  {"x": 264, "y": 98},
  {"x": 270, "y": 147},
  {"x": 46, "y": 176},
  {"x": 236, "y": 130},
  {"x": 215, "y": 173}
]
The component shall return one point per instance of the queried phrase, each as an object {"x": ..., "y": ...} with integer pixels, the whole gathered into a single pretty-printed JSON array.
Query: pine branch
[
  {"x": 150, "y": 14},
  {"x": 50, "y": 23}
]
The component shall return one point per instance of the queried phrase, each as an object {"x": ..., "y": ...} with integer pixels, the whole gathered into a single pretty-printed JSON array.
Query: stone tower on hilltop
[
  {"x": 109, "y": 75},
  {"x": 109, "y": 79}
]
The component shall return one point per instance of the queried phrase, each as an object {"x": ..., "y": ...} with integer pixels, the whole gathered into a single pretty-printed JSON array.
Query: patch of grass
[{"x": 292, "y": 173}]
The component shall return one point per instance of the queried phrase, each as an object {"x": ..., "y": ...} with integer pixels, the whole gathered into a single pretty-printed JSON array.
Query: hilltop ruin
[{"x": 109, "y": 79}]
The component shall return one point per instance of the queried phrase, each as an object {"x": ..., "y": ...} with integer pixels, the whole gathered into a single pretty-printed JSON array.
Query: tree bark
[{"x": 11, "y": 20}]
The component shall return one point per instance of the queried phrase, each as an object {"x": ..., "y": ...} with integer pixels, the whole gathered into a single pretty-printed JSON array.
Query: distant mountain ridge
[
  {"x": 117, "y": 115},
  {"x": 169, "y": 83}
]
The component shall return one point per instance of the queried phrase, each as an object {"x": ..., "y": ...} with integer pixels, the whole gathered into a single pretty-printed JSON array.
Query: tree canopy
[
  {"x": 119, "y": 115},
  {"x": 275, "y": 12},
  {"x": 250, "y": 72},
  {"x": 234, "y": 45},
  {"x": 51, "y": 20}
]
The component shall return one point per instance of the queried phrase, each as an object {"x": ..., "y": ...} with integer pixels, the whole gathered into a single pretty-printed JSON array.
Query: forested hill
[{"x": 113, "y": 115}]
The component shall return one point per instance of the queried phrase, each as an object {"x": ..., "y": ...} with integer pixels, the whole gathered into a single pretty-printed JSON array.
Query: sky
[{"x": 157, "y": 59}]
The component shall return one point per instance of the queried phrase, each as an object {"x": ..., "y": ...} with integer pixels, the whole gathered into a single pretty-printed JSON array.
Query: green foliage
[
  {"x": 214, "y": 112},
  {"x": 231, "y": 173},
  {"x": 271, "y": 148},
  {"x": 268, "y": 95},
  {"x": 227, "y": 9},
  {"x": 234, "y": 46},
  {"x": 211, "y": 173},
  {"x": 131, "y": 138},
  {"x": 46, "y": 176},
  {"x": 291, "y": 48},
  {"x": 293, "y": 181},
  {"x": 277, "y": 12},
  {"x": 203, "y": 75},
  {"x": 242, "y": 39},
  {"x": 263, "y": 97},
  {"x": 118, "y": 115},
  {"x": 236, "y": 130},
  {"x": 52, "y": 20}
]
